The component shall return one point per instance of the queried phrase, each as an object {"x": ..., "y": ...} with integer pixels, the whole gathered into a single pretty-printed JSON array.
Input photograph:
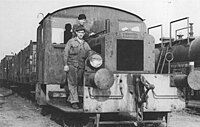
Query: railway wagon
[
  {"x": 6, "y": 64},
  {"x": 25, "y": 69},
  {"x": 192, "y": 92},
  {"x": 120, "y": 84},
  {"x": 28, "y": 63},
  {"x": 1, "y": 74},
  {"x": 185, "y": 63},
  {"x": 19, "y": 70}
]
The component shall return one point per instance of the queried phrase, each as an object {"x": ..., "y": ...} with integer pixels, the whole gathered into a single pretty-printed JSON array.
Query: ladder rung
[
  {"x": 161, "y": 61},
  {"x": 53, "y": 94}
]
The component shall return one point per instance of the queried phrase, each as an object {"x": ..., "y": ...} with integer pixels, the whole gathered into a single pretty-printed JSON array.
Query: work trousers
[{"x": 75, "y": 79}]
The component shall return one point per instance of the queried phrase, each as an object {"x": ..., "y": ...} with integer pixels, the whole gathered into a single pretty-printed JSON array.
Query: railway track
[{"x": 193, "y": 111}]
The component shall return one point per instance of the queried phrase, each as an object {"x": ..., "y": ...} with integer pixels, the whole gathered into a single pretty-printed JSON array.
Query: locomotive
[{"x": 120, "y": 83}]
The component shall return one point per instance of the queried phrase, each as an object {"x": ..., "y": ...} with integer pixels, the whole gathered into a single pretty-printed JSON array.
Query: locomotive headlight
[{"x": 96, "y": 60}]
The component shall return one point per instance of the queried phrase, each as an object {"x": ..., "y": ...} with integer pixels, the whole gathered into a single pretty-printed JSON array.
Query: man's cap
[
  {"x": 79, "y": 28},
  {"x": 81, "y": 16}
]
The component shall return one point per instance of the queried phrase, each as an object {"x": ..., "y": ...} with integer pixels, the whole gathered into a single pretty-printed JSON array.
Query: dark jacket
[{"x": 75, "y": 53}]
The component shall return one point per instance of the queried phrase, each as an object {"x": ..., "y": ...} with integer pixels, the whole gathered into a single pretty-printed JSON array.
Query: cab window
[
  {"x": 58, "y": 28},
  {"x": 129, "y": 26}
]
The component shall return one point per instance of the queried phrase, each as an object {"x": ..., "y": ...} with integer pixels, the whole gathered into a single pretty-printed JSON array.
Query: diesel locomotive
[{"x": 120, "y": 87}]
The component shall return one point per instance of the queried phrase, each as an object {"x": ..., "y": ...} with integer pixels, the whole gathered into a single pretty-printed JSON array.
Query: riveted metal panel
[
  {"x": 110, "y": 51},
  {"x": 163, "y": 97},
  {"x": 115, "y": 102},
  {"x": 149, "y": 55}
]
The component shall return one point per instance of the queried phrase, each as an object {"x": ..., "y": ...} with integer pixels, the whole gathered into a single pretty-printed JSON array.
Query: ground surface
[
  {"x": 184, "y": 119},
  {"x": 19, "y": 112}
]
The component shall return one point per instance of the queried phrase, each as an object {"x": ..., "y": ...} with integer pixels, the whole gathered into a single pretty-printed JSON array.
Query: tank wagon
[
  {"x": 124, "y": 88},
  {"x": 182, "y": 62}
]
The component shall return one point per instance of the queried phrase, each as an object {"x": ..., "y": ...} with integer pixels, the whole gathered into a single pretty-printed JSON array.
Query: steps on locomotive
[
  {"x": 61, "y": 104},
  {"x": 156, "y": 117},
  {"x": 57, "y": 94},
  {"x": 57, "y": 99}
]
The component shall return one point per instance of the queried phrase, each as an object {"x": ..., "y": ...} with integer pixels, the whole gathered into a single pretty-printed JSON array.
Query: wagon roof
[{"x": 91, "y": 6}]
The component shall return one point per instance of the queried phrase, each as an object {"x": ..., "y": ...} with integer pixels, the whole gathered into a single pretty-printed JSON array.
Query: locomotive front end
[
  {"x": 126, "y": 80},
  {"x": 115, "y": 86}
]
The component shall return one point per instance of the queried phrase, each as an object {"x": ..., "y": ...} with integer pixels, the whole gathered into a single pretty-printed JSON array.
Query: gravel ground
[
  {"x": 184, "y": 119},
  {"x": 19, "y": 112}
]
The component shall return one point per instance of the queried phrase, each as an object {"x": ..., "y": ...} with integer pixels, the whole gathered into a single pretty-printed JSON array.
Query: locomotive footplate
[
  {"x": 156, "y": 118},
  {"x": 62, "y": 110},
  {"x": 61, "y": 104}
]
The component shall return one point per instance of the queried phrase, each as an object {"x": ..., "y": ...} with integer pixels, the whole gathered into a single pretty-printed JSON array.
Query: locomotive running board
[{"x": 61, "y": 104}]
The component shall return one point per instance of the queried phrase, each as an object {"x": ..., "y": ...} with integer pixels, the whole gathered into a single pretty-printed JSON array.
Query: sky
[{"x": 19, "y": 19}]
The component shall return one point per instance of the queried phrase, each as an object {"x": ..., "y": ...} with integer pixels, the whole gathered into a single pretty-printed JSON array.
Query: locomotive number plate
[{"x": 129, "y": 35}]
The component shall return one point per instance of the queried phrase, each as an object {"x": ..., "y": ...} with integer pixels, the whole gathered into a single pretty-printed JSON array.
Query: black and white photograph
[{"x": 102, "y": 63}]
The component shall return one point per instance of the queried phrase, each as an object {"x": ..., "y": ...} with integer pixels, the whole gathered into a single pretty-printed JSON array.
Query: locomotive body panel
[
  {"x": 126, "y": 51},
  {"x": 116, "y": 99},
  {"x": 162, "y": 98}
]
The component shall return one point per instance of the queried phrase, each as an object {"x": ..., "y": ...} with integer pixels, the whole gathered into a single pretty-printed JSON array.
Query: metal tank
[
  {"x": 194, "y": 50},
  {"x": 182, "y": 51},
  {"x": 185, "y": 52}
]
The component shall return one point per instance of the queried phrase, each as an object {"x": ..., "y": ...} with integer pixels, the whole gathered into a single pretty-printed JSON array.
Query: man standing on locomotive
[
  {"x": 81, "y": 22},
  {"x": 75, "y": 54}
]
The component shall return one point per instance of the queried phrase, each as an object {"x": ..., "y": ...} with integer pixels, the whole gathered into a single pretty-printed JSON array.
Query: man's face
[
  {"x": 80, "y": 34},
  {"x": 82, "y": 21}
]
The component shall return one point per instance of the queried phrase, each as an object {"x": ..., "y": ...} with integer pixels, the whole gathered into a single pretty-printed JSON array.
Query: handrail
[
  {"x": 170, "y": 29},
  {"x": 160, "y": 62},
  {"x": 164, "y": 59},
  {"x": 148, "y": 30},
  {"x": 180, "y": 30},
  {"x": 161, "y": 54}
]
